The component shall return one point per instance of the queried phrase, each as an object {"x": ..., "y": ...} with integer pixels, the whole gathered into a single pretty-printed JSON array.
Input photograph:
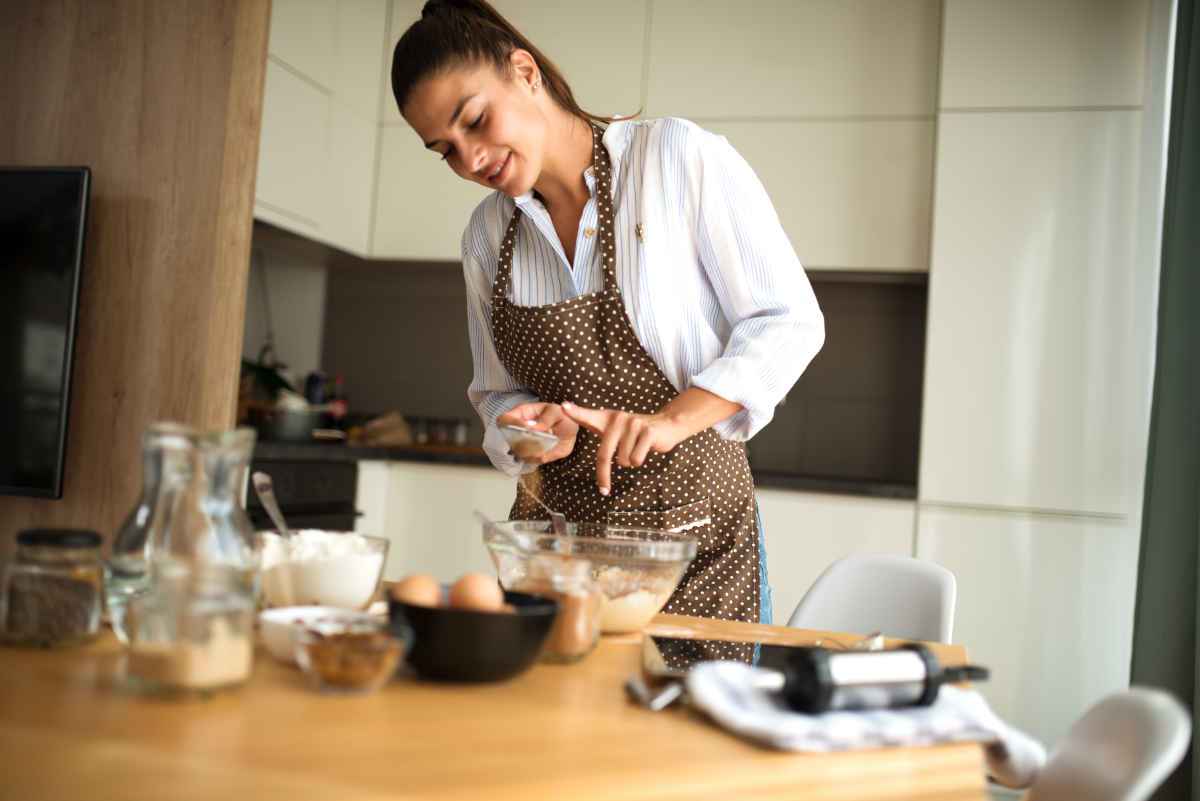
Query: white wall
[{"x": 291, "y": 276}]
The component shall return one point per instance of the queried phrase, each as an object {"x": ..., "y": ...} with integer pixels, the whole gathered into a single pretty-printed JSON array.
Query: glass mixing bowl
[{"x": 636, "y": 569}]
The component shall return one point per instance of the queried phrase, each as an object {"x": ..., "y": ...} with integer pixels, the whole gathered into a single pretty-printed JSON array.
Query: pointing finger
[
  {"x": 594, "y": 420},
  {"x": 604, "y": 457}
]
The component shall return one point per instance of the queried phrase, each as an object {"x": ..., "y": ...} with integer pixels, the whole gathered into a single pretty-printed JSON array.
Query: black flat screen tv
[{"x": 43, "y": 214}]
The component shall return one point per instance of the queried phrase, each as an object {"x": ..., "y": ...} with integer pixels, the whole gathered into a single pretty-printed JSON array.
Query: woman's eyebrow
[{"x": 457, "y": 110}]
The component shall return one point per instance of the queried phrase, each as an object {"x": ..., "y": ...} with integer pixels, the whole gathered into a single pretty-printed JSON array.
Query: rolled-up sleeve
[
  {"x": 776, "y": 325},
  {"x": 492, "y": 391}
]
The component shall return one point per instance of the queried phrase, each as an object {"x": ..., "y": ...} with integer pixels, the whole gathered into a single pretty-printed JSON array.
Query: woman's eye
[
  {"x": 446, "y": 155},
  {"x": 475, "y": 124}
]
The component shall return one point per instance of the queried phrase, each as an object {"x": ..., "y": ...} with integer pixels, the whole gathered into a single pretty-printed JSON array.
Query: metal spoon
[{"x": 266, "y": 494}]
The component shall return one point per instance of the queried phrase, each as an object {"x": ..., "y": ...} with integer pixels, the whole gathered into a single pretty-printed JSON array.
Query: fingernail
[
  {"x": 604, "y": 491},
  {"x": 530, "y": 422},
  {"x": 567, "y": 405}
]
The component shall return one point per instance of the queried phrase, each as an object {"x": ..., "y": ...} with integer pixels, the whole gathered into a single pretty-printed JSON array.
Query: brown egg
[
  {"x": 418, "y": 589},
  {"x": 477, "y": 591}
]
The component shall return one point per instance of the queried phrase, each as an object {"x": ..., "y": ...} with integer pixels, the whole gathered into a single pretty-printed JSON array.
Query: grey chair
[
  {"x": 1122, "y": 749},
  {"x": 897, "y": 595}
]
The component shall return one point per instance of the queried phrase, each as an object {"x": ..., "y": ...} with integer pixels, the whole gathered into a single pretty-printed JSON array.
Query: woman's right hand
[{"x": 544, "y": 417}]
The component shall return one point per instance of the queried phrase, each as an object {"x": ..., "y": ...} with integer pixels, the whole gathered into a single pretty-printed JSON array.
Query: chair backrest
[
  {"x": 1122, "y": 749},
  {"x": 896, "y": 595}
]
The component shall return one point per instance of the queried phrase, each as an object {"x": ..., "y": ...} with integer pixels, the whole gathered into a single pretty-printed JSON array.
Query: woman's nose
[{"x": 478, "y": 160}]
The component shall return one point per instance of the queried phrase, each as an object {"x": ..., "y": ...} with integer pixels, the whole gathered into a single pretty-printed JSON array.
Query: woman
[{"x": 629, "y": 289}]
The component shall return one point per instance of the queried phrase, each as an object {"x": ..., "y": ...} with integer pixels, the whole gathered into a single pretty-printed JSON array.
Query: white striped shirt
[{"x": 713, "y": 287}]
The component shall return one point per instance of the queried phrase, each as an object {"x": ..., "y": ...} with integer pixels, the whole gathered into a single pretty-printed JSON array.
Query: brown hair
[{"x": 452, "y": 33}]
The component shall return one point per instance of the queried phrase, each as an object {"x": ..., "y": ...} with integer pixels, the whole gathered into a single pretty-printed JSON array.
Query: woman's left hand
[{"x": 626, "y": 438}]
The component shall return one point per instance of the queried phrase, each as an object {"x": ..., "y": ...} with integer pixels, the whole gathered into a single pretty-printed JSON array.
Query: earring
[{"x": 537, "y": 84}]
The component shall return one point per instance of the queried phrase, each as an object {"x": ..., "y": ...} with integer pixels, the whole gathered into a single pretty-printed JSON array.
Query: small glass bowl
[{"x": 351, "y": 656}]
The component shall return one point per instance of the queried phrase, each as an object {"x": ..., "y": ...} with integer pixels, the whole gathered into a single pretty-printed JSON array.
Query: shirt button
[{"x": 589, "y": 232}]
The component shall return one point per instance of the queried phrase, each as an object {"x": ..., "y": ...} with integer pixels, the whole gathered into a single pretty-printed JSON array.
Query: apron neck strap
[
  {"x": 602, "y": 166},
  {"x": 504, "y": 268}
]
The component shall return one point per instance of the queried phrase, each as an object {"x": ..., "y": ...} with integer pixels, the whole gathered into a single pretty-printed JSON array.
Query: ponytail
[{"x": 453, "y": 33}]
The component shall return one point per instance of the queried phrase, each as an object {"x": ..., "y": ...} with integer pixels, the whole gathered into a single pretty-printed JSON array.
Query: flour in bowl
[{"x": 321, "y": 568}]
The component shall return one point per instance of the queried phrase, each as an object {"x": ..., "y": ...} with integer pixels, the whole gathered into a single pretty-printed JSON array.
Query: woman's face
[{"x": 489, "y": 128}]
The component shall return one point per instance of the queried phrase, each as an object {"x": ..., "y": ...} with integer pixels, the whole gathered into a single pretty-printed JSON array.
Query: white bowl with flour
[{"x": 322, "y": 568}]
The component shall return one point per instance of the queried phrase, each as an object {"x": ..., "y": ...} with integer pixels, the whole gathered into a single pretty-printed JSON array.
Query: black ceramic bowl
[{"x": 462, "y": 645}]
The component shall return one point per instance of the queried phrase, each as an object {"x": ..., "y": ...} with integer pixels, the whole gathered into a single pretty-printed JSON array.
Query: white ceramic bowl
[
  {"x": 315, "y": 570},
  {"x": 280, "y": 626}
]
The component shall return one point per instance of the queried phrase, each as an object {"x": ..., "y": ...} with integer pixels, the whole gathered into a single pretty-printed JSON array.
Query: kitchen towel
[{"x": 731, "y": 694}]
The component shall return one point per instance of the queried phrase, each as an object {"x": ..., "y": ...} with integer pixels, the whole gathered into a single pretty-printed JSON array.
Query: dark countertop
[
  {"x": 838, "y": 486},
  {"x": 452, "y": 454},
  {"x": 339, "y": 452}
]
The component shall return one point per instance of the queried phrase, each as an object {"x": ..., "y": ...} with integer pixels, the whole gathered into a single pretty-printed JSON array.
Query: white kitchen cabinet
[
  {"x": 429, "y": 517},
  {"x": 290, "y": 189},
  {"x": 335, "y": 44},
  {"x": 1038, "y": 53},
  {"x": 316, "y": 166},
  {"x": 599, "y": 47},
  {"x": 421, "y": 206},
  {"x": 788, "y": 58},
  {"x": 806, "y": 532},
  {"x": 371, "y": 496},
  {"x": 361, "y": 60},
  {"x": 316, "y": 173},
  {"x": 303, "y": 35},
  {"x": 1030, "y": 398},
  {"x": 1046, "y": 602},
  {"x": 350, "y": 182},
  {"x": 832, "y": 181}
]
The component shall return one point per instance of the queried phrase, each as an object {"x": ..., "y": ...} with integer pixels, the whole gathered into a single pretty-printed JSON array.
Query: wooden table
[{"x": 69, "y": 730}]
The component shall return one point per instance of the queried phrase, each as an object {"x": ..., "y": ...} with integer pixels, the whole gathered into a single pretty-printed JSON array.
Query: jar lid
[{"x": 59, "y": 538}]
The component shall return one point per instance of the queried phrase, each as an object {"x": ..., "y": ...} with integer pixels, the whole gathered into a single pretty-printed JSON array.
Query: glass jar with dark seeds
[{"x": 53, "y": 588}]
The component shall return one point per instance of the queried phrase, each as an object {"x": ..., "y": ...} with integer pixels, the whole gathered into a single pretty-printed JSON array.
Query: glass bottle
[
  {"x": 168, "y": 450},
  {"x": 229, "y": 538}
]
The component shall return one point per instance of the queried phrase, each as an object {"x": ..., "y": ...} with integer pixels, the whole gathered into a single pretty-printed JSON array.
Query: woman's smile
[{"x": 495, "y": 172}]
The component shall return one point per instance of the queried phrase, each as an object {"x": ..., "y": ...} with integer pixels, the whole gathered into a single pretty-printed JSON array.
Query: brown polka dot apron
[{"x": 584, "y": 350}]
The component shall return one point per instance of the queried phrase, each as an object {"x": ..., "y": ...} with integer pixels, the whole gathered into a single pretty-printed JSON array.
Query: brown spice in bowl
[{"x": 353, "y": 660}]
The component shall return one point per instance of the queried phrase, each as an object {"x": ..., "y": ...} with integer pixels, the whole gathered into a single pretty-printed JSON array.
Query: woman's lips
[{"x": 498, "y": 177}]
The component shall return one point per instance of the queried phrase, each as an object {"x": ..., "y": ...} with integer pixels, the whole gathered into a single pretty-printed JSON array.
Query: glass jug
[
  {"x": 168, "y": 451},
  {"x": 229, "y": 539},
  {"x": 192, "y": 630}
]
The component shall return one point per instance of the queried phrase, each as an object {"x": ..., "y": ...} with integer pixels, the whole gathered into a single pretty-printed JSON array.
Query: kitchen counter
[{"x": 69, "y": 730}]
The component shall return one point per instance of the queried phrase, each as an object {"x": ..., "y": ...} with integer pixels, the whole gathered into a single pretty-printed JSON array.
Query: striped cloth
[
  {"x": 711, "y": 283},
  {"x": 731, "y": 694}
]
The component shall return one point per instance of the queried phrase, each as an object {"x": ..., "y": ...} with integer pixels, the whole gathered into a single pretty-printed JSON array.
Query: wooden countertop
[{"x": 69, "y": 730}]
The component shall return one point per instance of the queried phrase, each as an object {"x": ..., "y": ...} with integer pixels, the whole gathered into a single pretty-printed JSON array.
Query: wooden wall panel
[{"x": 163, "y": 100}]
